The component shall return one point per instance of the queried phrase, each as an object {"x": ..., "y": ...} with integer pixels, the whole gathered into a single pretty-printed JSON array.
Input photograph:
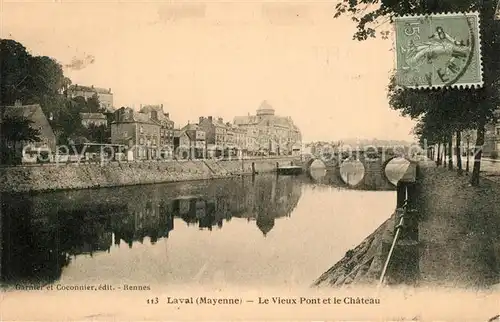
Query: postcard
[{"x": 258, "y": 160}]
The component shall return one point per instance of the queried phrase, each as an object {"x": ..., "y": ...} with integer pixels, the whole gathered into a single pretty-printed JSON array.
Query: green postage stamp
[{"x": 440, "y": 50}]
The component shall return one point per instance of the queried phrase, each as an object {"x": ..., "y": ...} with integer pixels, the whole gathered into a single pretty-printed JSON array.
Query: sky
[{"x": 221, "y": 59}]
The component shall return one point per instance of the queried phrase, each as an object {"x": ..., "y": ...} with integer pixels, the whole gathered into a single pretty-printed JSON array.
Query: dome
[
  {"x": 265, "y": 109},
  {"x": 265, "y": 224}
]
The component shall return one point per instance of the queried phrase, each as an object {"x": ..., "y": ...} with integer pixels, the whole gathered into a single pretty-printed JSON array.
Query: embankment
[
  {"x": 363, "y": 264},
  {"x": 52, "y": 177},
  {"x": 457, "y": 238}
]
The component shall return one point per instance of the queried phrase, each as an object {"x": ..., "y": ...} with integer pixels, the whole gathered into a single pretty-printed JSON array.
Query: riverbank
[
  {"x": 54, "y": 177},
  {"x": 459, "y": 244},
  {"x": 363, "y": 264}
]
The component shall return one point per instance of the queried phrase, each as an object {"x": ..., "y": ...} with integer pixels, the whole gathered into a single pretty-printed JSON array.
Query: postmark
[{"x": 438, "y": 51}]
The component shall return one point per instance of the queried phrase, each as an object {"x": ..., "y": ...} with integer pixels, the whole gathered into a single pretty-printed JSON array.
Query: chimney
[
  {"x": 201, "y": 119},
  {"x": 161, "y": 105},
  {"x": 141, "y": 107},
  {"x": 210, "y": 119},
  {"x": 109, "y": 90},
  {"x": 92, "y": 86},
  {"x": 220, "y": 119},
  {"x": 18, "y": 103}
]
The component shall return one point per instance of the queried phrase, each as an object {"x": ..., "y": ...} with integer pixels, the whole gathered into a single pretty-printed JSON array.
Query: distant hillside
[{"x": 375, "y": 142}]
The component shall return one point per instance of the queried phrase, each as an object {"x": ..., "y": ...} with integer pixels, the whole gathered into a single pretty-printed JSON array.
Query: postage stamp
[{"x": 438, "y": 51}]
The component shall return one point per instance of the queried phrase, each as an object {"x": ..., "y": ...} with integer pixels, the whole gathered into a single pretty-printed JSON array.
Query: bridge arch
[
  {"x": 359, "y": 164},
  {"x": 329, "y": 178},
  {"x": 371, "y": 171},
  {"x": 389, "y": 159}
]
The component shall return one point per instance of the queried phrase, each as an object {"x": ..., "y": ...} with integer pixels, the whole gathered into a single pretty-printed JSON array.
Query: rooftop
[
  {"x": 91, "y": 88},
  {"x": 21, "y": 110}
]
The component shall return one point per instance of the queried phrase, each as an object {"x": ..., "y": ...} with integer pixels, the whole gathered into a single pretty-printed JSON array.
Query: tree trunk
[
  {"x": 459, "y": 152},
  {"x": 478, "y": 151},
  {"x": 445, "y": 151},
  {"x": 2, "y": 139},
  {"x": 438, "y": 162},
  {"x": 450, "y": 151},
  {"x": 468, "y": 156}
]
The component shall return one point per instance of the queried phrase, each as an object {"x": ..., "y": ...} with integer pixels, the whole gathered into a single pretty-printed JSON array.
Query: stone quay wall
[
  {"x": 52, "y": 177},
  {"x": 363, "y": 265}
]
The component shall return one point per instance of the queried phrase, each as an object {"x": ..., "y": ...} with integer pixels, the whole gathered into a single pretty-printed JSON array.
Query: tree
[
  {"x": 97, "y": 133},
  {"x": 413, "y": 103},
  {"x": 15, "y": 131},
  {"x": 14, "y": 68},
  {"x": 30, "y": 79},
  {"x": 93, "y": 105},
  {"x": 38, "y": 79}
]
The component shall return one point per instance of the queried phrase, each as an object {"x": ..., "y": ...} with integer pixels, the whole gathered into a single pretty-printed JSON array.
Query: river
[{"x": 267, "y": 230}]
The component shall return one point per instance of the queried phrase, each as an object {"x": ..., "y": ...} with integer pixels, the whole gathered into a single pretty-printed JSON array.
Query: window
[
  {"x": 498, "y": 130},
  {"x": 125, "y": 134},
  {"x": 141, "y": 141},
  {"x": 141, "y": 129},
  {"x": 154, "y": 115}
]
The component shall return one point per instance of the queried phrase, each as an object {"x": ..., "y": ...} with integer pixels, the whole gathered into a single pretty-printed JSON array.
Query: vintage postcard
[{"x": 249, "y": 160}]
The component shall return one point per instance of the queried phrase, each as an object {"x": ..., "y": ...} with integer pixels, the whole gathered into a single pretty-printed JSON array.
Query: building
[
  {"x": 190, "y": 142},
  {"x": 138, "y": 132},
  {"x": 231, "y": 147},
  {"x": 98, "y": 119},
  {"x": 491, "y": 147},
  {"x": 216, "y": 135},
  {"x": 240, "y": 140},
  {"x": 104, "y": 94},
  {"x": 156, "y": 112},
  {"x": 40, "y": 122},
  {"x": 273, "y": 134}
]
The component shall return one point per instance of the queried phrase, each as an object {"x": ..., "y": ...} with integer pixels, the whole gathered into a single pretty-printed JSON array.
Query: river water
[{"x": 247, "y": 231}]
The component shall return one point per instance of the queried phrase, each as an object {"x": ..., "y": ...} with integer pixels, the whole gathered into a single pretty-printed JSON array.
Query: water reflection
[
  {"x": 41, "y": 234},
  {"x": 352, "y": 171},
  {"x": 395, "y": 169}
]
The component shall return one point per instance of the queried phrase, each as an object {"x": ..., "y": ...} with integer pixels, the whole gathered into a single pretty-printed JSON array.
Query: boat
[{"x": 290, "y": 170}]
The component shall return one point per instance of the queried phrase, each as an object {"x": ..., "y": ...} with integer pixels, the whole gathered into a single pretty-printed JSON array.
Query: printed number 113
[{"x": 153, "y": 301}]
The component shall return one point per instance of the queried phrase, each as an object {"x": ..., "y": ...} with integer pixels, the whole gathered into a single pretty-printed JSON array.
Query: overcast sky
[{"x": 221, "y": 59}]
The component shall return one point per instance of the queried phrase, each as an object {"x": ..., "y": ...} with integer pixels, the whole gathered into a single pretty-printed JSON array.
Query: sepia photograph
[{"x": 265, "y": 160}]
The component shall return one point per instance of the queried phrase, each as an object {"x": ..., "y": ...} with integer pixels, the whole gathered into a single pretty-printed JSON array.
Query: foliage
[
  {"x": 440, "y": 113},
  {"x": 40, "y": 79},
  {"x": 31, "y": 79},
  {"x": 69, "y": 122},
  {"x": 13, "y": 132},
  {"x": 96, "y": 134},
  {"x": 19, "y": 129}
]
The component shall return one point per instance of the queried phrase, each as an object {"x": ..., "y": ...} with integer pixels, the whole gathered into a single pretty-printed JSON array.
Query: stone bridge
[{"x": 364, "y": 170}]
